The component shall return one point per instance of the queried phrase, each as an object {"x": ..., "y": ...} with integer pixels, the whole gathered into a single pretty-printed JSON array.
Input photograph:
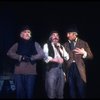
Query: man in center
[{"x": 55, "y": 55}]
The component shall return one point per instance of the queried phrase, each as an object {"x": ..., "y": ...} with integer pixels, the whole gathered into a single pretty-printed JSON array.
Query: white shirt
[{"x": 47, "y": 58}]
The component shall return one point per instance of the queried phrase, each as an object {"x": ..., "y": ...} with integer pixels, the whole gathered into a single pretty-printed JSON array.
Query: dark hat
[
  {"x": 72, "y": 28},
  {"x": 25, "y": 27},
  {"x": 54, "y": 31}
]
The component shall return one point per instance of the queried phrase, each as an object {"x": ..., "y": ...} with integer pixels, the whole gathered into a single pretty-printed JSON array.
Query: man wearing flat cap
[
  {"x": 78, "y": 50},
  {"x": 55, "y": 55}
]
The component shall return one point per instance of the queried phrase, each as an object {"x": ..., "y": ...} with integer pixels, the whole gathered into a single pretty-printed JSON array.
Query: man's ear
[{"x": 30, "y": 35}]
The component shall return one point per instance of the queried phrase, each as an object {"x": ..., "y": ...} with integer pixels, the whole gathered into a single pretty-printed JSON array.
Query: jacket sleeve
[
  {"x": 89, "y": 53},
  {"x": 12, "y": 52}
]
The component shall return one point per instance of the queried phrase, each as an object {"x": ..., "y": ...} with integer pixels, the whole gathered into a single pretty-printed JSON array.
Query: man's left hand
[{"x": 79, "y": 51}]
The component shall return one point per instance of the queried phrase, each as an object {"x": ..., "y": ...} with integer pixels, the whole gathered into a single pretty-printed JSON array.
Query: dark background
[{"x": 43, "y": 17}]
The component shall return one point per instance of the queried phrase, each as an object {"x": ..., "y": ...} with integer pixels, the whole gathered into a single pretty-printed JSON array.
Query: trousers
[
  {"x": 54, "y": 83},
  {"x": 25, "y": 86},
  {"x": 77, "y": 87}
]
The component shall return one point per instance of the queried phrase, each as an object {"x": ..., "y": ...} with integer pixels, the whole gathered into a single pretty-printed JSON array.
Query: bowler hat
[{"x": 72, "y": 28}]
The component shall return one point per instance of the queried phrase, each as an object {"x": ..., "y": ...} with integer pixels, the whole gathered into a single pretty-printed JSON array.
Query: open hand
[{"x": 79, "y": 51}]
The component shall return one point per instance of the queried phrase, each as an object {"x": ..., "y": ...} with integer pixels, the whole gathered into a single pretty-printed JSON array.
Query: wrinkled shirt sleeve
[{"x": 47, "y": 58}]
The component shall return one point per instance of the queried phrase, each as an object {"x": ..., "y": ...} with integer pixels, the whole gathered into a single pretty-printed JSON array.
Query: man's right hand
[
  {"x": 57, "y": 60},
  {"x": 60, "y": 60},
  {"x": 25, "y": 58}
]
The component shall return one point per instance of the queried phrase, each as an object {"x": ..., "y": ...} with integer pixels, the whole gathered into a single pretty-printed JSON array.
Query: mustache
[{"x": 56, "y": 39}]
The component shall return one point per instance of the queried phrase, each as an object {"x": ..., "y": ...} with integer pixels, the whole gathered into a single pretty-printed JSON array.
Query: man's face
[
  {"x": 55, "y": 37},
  {"x": 26, "y": 34},
  {"x": 71, "y": 35}
]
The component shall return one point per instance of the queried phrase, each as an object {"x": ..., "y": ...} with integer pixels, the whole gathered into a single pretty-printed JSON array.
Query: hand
[
  {"x": 65, "y": 77},
  {"x": 60, "y": 60},
  {"x": 79, "y": 51},
  {"x": 25, "y": 58},
  {"x": 58, "y": 44},
  {"x": 57, "y": 60}
]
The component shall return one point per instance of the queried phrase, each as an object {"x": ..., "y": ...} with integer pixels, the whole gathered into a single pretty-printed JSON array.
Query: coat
[{"x": 78, "y": 58}]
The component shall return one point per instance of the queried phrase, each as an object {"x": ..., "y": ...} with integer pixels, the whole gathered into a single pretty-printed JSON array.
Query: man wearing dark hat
[
  {"x": 78, "y": 50},
  {"x": 25, "y": 52},
  {"x": 55, "y": 54}
]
